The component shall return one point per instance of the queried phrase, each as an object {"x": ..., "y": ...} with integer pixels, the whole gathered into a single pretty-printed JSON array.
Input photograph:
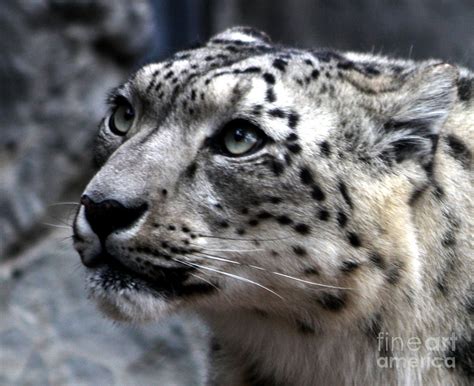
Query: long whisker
[
  {"x": 212, "y": 257},
  {"x": 310, "y": 282},
  {"x": 56, "y": 226},
  {"x": 64, "y": 222},
  {"x": 226, "y": 250},
  {"x": 204, "y": 280},
  {"x": 220, "y": 258},
  {"x": 242, "y": 239},
  {"x": 64, "y": 203},
  {"x": 232, "y": 276}
]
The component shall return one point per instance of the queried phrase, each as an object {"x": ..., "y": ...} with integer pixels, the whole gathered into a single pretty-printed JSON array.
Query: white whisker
[
  {"x": 56, "y": 226},
  {"x": 309, "y": 282},
  {"x": 204, "y": 280},
  {"x": 234, "y": 277},
  {"x": 228, "y": 250},
  {"x": 198, "y": 254},
  {"x": 242, "y": 239},
  {"x": 64, "y": 203},
  {"x": 213, "y": 257}
]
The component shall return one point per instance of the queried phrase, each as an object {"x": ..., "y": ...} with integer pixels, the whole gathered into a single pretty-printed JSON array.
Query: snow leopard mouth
[{"x": 112, "y": 275}]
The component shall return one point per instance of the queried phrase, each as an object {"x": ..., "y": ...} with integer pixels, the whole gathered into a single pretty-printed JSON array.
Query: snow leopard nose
[{"x": 107, "y": 216}]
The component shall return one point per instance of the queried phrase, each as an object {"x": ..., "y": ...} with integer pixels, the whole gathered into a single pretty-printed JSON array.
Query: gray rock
[
  {"x": 84, "y": 372},
  {"x": 58, "y": 60},
  {"x": 35, "y": 372}
]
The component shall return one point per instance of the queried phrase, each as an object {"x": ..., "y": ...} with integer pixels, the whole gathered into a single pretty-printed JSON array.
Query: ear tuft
[
  {"x": 418, "y": 112},
  {"x": 241, "y": 35}
]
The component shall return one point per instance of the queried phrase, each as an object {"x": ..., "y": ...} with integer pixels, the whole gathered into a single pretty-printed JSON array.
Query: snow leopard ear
[
  {"x": 416, "y": 112},
  {"x": 239, "y": 35}
]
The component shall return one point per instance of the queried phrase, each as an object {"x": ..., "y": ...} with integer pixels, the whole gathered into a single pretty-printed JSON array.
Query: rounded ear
[
  {"x": 240, "y": 35},
  {"x": 417, "y": 112}
]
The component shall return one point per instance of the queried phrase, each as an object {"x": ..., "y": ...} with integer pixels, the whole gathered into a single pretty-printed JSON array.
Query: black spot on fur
[
  {"x": 332, "y": 302},
  {"x": 459, "y": 151},
  {"x": 253, "y": 222},
  {"x": 294, "y": 148},
  {"x": 240, "y": 231},
  {"x": 325, "y": 148},
  {"x": 463, "y": 355},
  {"x": 304, "y": 328},
  {"x": 277, "y": 113},
  {"x": 302, "y": 229},
  {"x": 299, "y": 250},
  {"x": 416, "y": 194},
  {"x": 252, "y": 70},
  {"x": 442, "y": 286},
  {"x": 373, "y": 326},
  {"x": 293, "y": 119},
  {"x": 470, "y": 303},
  {"x": 438, "y": 192},
  {"x": 315, "y": 74},
  {"x": 349, "y": 266},
  {"x": 292, "y": 137},
  {"x": 261, "y": 313},
  {"x": 394, "y": 273},
  {"x": 377, "y": 260},
  {"x": 191, "y": 170},
  {"x": 449, "y": 240},
  {"x": 354, "y": 240},
  {"x": 345, "y": 194},
  {"x": 275, "y": 200},
  {"x": 269, "y": 78},
  {"x": 345, "y": 65},
  {"x": 323, "y": 215},
  {"x": 264, "y": 215},
  {"x": 306, "y": 176},
  {"x": 253, "y": 376},
  {"x": 284, "y": 220},
  {"x": 370, "y": 69},
  {"x": 277, "y": 167},
  {"x": 270, "y": 96},
  {"x": 464, "y": 89},
  {"x": 280, "y": 64},
  {"x": 311, "y": 271},
  {"x": 341, "y": 219},
  {"x": 317, "y": 193},
  {"x": 215, "y": 345},
  {"x": 223, "y": 224}
]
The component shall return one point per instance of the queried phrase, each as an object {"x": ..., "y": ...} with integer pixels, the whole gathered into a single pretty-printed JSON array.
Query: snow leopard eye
[
  {"x": 240, "y": 137},
  {"x": 122, "y": 118}
]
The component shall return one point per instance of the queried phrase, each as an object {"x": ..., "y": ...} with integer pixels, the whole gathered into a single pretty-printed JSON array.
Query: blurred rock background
[{"x": 58, "y": 60}]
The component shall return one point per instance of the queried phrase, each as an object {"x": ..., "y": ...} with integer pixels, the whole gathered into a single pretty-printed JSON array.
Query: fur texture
[{"x": 338, "y": 252}]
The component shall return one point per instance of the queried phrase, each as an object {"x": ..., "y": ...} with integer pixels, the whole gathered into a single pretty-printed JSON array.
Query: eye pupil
[
  {"x": 128, "y": 114},
  {"x": 240, "y": 137},
  {"x": 122, "y": 119}
]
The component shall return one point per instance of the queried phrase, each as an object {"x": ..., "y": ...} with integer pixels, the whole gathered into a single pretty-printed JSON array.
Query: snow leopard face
[{"x": 248, "y": 175}]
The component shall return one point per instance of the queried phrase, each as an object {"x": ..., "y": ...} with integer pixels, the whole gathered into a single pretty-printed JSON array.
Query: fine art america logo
[{"x": 440, "y": 350}]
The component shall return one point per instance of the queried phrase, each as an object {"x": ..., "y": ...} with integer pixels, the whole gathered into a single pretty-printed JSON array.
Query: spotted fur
[{"x": 352, "y": 222}]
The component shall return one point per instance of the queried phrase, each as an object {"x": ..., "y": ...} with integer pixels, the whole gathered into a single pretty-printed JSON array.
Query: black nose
[{"x": 107, "y": 216}]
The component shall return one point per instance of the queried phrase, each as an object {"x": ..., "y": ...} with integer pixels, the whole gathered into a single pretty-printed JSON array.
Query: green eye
[
  {"x": 240, "y": 137},
  {"x": 122, "y": 119}
]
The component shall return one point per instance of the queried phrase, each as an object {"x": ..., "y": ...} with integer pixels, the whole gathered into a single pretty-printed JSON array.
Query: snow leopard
[{"x": 313, "y": 207}]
